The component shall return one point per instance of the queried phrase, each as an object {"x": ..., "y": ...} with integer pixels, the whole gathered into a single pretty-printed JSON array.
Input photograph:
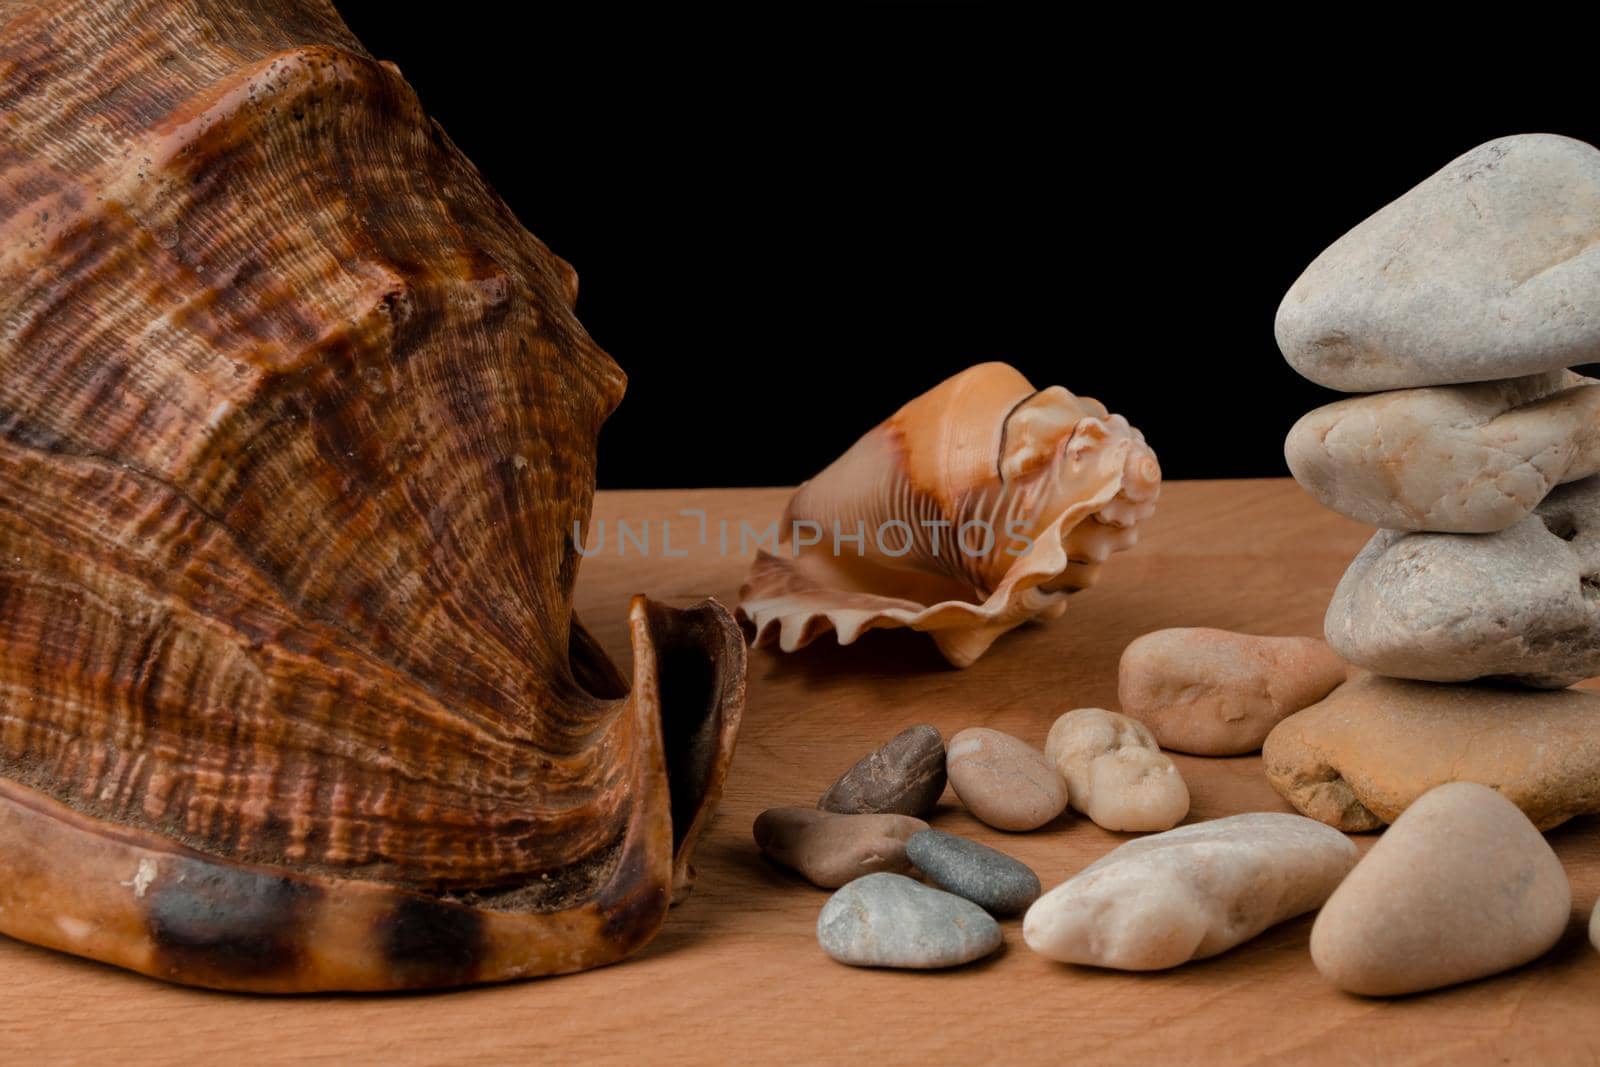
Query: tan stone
[
  {"x": 829, "y": 849},
  {"x": 1362, "y": 756},
  {"x": 1216, "y": 693},
  {"x": 1116, "y": 774},
  {"x": 1460, "y": 887},
  {"x": 1003, "y": 780}
]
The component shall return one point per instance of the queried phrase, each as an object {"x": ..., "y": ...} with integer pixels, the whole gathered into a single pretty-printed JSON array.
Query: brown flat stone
[{"x": 1362, "y": 756}]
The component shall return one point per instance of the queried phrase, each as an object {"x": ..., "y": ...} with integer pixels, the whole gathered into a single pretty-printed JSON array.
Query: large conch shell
[
  {"x": 976, "y": 507},
  {"x": 297, "y": 434}
]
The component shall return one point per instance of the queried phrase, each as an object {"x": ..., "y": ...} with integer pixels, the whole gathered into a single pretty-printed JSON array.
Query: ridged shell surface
[{"x": 296, "y": 426}]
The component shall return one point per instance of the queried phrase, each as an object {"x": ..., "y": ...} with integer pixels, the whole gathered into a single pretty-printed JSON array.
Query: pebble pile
[
  {"x": 866, "y": 837},
  {"x": 1458, "y": 311},
  {"x": 1460, "y": 308}
]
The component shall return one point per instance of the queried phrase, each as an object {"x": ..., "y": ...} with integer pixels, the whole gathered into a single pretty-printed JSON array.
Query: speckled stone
[
  {"x": 889, "y": 920},
  {"x": 1461, "y": 886},
  {"x": 987, "y": 877},
  {"x": 1520, "y": 605},
  {"x": 904, "y": 776},
  {"x": 1451, "y": 459},
  {"x": 1004, "y": 781},
  {"x": 1365, "y": 754},
  {"x": 1486, "y": 270}
]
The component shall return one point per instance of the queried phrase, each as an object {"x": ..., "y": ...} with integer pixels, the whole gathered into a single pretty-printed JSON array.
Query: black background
[{"x": 787, "y": 222}]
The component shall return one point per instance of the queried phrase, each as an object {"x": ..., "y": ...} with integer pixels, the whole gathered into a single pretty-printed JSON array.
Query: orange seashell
[
  {"x": 296, "y": 421},
  {"x": 976, "y": 507}
]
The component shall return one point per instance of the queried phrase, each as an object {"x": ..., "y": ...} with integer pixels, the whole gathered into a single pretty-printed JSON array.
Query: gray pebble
[
  {"x": 989, "y": 878},
  {"x": 889, "y": 920},
  {"x": 906, "y": 776},
  {"x": 1520, "y": 605}
]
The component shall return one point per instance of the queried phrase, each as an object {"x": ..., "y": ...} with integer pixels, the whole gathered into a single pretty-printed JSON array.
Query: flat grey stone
[
  {"x": 889, "y": 920},
  {"x": 1489, "y": 269},
  {"x": 1520, "y": 605},
  {"x": 987, "y": 877}
]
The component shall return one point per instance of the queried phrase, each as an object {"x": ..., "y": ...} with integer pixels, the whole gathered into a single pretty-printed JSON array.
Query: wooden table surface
[{"x": 736, "y": 974}]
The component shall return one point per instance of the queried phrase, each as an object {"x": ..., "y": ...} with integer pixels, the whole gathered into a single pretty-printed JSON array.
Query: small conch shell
[{"x": 978, "y": 506}]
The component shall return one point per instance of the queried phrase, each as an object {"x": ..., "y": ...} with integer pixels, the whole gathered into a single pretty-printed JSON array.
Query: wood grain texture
[{"x": 736, "y": 974}]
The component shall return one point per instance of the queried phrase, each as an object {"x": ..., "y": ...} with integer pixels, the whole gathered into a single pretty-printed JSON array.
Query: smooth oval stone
[
  {"x": 1189, "y": 893},
  {"x": 1487, "y": 270},
  {"x": 987, "y": 877},
  {"x": 1216, "y": 693},
  {"x": 1461, "y": 886},
  {"x": 1116, "y": 774},
  {"x": 1452, "y": 459},
  {"x": 889, "y": 920},
  {"x": 829, "y": 849},
  {"x": 1520, "y": 605},
  {"x": 1366, "y": 753},
  {"x": 905, "y": 776},
  {"x": 1003, "y": 780}
]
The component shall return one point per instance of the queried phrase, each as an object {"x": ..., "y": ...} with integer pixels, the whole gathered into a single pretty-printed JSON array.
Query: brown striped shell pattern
[{"x": 296, "y": 425}]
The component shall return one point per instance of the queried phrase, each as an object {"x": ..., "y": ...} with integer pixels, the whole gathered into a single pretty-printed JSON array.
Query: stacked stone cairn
[{"x": 1457, "y": 312}]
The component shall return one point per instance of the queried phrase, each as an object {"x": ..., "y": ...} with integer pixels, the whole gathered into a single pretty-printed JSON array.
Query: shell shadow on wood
[
  {"x": 296, "y": 422},
  {"x": 977, "y": 507}
]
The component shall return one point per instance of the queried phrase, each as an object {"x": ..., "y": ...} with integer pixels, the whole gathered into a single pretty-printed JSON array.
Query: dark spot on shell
[
  {"x": 633, "y": 915},
  {"x": 636, "y": 918},
  {"x": 432, "y": 943},
  {"x": 208, "y": 919}
]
